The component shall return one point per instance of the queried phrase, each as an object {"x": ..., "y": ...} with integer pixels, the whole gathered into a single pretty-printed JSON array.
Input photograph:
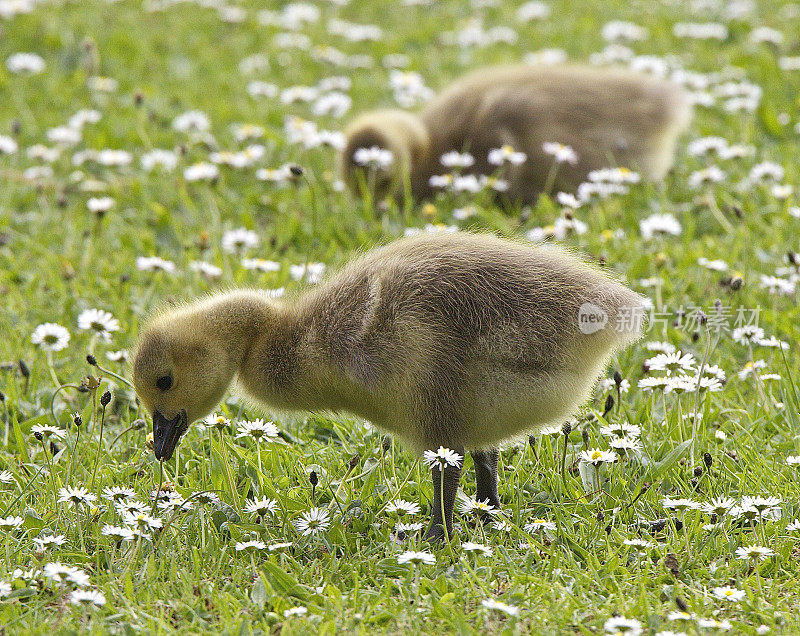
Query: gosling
[
  {"x": 609, "y": 117},
  {"x": 456, "y": 340}
]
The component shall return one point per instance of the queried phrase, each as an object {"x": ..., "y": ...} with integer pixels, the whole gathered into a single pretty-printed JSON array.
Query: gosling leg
[
  {"x": 486, "y": 475},
  {"x": 446, "y": 495}
]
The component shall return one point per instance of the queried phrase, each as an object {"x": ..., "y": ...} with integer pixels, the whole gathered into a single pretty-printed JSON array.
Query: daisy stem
[
  {"x": 78, "y": 523},
  {"x": 114, "y": 375},
  {"x": 99, "y": 448},
  {"x": 50, "y": 469},
  {"x": 441, "y": 505},
  {"x": 564, "y": 458},
  {"x": 551, "y": 178},
  {"x": 224, "y": 449},
  {"x": 51, "y": 369},
  {"x": 72, "y": 455}
]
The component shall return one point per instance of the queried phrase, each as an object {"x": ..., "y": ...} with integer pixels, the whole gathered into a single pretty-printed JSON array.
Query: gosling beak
[{"x": 167, "y": 433}]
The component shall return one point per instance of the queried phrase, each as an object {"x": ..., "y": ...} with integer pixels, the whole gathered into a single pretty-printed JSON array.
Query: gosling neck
[{"x": 234, "y": 319}]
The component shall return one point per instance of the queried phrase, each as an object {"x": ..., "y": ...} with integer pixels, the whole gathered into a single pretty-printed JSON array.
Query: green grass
[{"x": 58, "y": 259}]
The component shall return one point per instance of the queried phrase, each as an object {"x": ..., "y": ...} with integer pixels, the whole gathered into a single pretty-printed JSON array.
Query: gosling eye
[{"x": 164, "y": 382}]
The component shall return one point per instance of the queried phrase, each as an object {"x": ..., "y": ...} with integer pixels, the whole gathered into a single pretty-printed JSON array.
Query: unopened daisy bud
[
  {"x": 707, "y": 459},
  {"x": 682, "y": 606},
  {"x": 105, "y": 399},
  {"x": 91, "y": 360},
  {"x": 600, "y": 515},
  {"x": 698, "y": 471},
  {"x": 609, "y": 404},
  {"x": 353, "y": 461},
  {"x": 386, "y": 443},
  {"x": 39, "y": 437},
  {"x": 296, "y": 170},
  {"x": 77, "y": 420},
  {"x": 617, "y": 378},
  {"x": 566, "y": 428},
  {"x": 693, "y": 483},
  {"x": 312, "y": 478},
  {"x": 24, "y": 369},
  {"x": 736, "y": 283},
  {"x": 695, "y": 336}
]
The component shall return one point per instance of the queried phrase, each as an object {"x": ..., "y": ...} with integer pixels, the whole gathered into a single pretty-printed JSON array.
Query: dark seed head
[
  {"x": 701, "y": 317},
  {"x": 698, "y": 470},
  {"x": 600, "y": 515},
  {"x": 566, "y": 427},
  {"x": 353, "y": 461},
  {"x": 609, "y": 404},
  {"x": 24, "y": 369},
  {"x": 617, "y": 378},
  {"x": 2, "y": 397},
  {"x": 105, "y": 399},
  {"x": 38, "y": 436},
  {"x": 296, "y": 170},
  {"x": 386, "y": 443},
  {"x": 91, "y": 360},
  {"x": 736, "y": 283},
  {"x": 718, "y": 305},
  {"x": 77, "y": 420},
  {"x": 682, "y": 606},
  {"x": 707, "y": 459},
  {"x": 585, "y": 437},
  {"x": 312, "y": 477}
]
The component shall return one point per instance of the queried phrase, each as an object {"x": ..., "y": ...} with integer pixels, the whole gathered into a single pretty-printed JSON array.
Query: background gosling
[
  {"x": 454, "y": 340},
  {"x": 610, "y": 117}
]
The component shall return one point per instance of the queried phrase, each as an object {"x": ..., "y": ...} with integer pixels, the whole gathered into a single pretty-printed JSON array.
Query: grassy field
[{"x": 694, "y": 527}]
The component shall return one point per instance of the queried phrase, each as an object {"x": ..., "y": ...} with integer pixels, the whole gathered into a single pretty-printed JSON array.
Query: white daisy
[
  {"x": 506, "y": 154},
  {"x": 373, "y": 157},
  {"x": 312, "y": 522},
  {"x": 727, "y": 593},
  {"x": 239, "y": 240},
  {"x": 258, "y": 430},
  {"x": 261, "y": 507},
  {"x": 99, "y": 322},
  {"x": 50, "y": 336},
  {"x": 250, "y": 546},
  {"x": 560, "y": 152},
  {"x": 46, "y": 431},
  {"x": 442, "y": 458},
  {"x": 596, "y": 456},
  {"x": 87, "y": 597},
  {"x": 76, "y": 496},
  {"x": 402, "y": 507},
  {"x": 492, "y": 604},
  {"x": 416, "y": 557}
]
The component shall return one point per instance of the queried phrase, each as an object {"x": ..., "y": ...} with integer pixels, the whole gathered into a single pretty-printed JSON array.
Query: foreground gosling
[
  {"x": 609, "y": 117},
  {"x": 454, "y": 340}
]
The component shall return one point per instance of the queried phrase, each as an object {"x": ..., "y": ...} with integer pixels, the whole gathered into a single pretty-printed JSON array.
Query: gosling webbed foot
[
  {"x": 486, "y": 477},
  {"x": 436, "y": 534}
]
